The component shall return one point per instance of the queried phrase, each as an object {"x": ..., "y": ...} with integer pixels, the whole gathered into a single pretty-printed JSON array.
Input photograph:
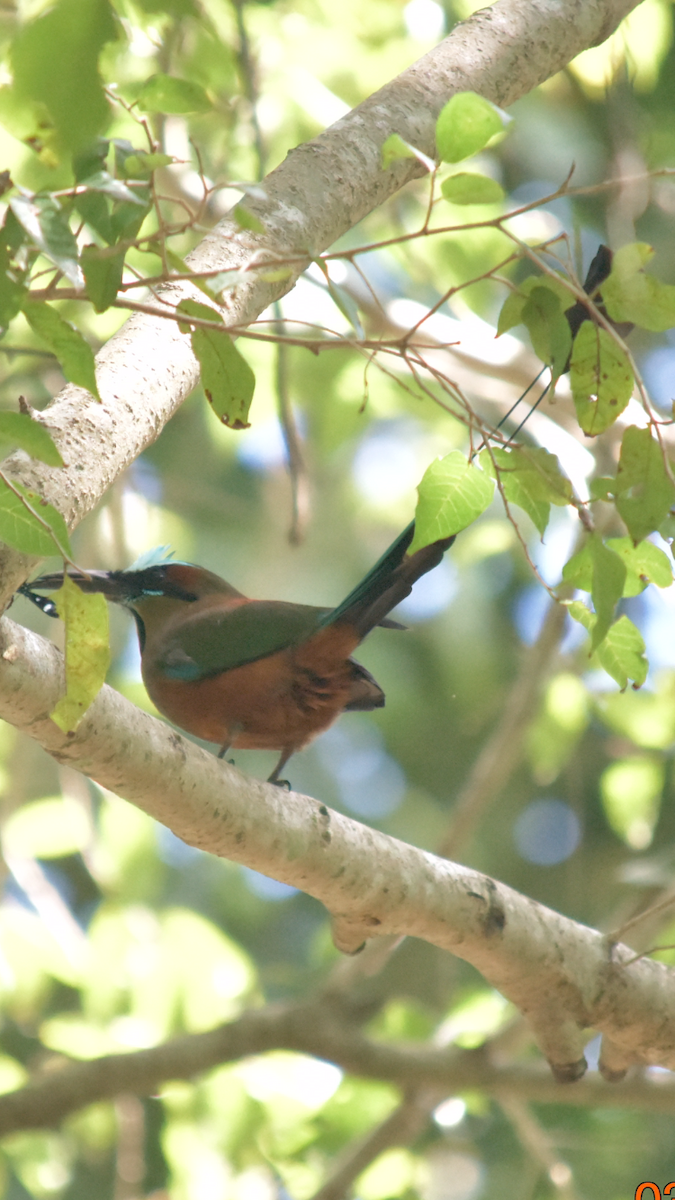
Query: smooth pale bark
[{"x": 562, "y": 975}]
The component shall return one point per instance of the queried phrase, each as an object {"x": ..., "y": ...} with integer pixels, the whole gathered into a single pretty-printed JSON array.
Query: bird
[{"x": 252, "y": 674}]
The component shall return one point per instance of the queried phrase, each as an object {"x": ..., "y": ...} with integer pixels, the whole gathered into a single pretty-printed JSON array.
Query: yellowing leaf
[
  {"x": 87, "y": 651},
  {"x": 644, "y": 491},
  {"x": 227, "y": 379},
  {"x": 601, "y": 379}
]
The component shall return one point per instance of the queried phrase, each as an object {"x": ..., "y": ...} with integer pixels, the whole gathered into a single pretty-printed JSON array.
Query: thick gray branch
[
  {"x": 563, "y": 976},
  {"x": 321, "y": 190}
]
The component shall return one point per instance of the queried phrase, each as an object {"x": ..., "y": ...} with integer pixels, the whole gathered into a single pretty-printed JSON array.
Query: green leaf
[
  {"x": 598, "y": 569},
  {"x": 394, "y": 149},
  {"x": 87, "y": 651},
  {"x": 645, "y": 564},
  {"x": 579, "y": 569},
  {"x": 140, "y": 164},
  {"x": 631, "y": 791},
  {"x": 644, "y": 492},
  {"x": 609, "y": 577},
  {"x": 74, "y": 354},
  {"x": 102, "y": 275},
  {"x": 48, "y": 229},
  {"x": 601, "y": 379},
  {"x": 23, "y": 517},
  {"x": 512, "y": 308},
  {"x": 548, "y": 328},
  {"x": 469, "y": 188},
  {"x": 347, "y": 306},
  {"x": 22, "y": 430},
  {"x": 622, "y": 653},
  {"x": 166, "y": 94},
  {"x": 465, "y": 124},
  {"x": 246, "y": 219},
  {"x": 105, "y": 183},
  {"x": 630, "y": 295},
  {"x": 452, "y": 494},
  {"x": 48, "y": 828},
  {"x": 531, "y": 478},
  {"x": 602, "y": 487},
  {"x": 227, "y": 379},
  {"x": 12, "y": 291},
  {"x": 55, "y": 63}
]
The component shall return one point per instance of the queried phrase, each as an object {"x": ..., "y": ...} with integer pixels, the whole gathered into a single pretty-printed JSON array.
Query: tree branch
[
  {"x": 310, "y": 1028},
  {"x": 563, "y": 976},
  {"x": 321, "y": 190}
]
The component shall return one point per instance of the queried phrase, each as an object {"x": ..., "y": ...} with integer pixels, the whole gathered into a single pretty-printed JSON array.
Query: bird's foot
[{"x": 281, "y": 783}]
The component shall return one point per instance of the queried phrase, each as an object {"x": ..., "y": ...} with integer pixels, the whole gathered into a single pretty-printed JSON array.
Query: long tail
[{"x": 389, "y": 582}]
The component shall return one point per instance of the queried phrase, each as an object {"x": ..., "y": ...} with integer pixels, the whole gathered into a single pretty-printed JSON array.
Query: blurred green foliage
[{"x": 115, "y": 935}]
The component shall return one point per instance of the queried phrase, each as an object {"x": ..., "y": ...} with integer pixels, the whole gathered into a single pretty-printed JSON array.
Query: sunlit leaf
[
  {"x": 601, "y": 379},
  {"x": 644, "y": 491},
  {"x": 394, "y": 149},
  {"x": 452, "y": 494},
  {"x": 30, "y": 435},
  {"x": 465, "y": 124},
  {"x": 87, "y": 651},
  {"x": 29, "y": 523},
  {"x": 645, "y": 564},
  {"x": 227, "y": 379},
  {"x": 609, "y": 577},
  {"x": 48, "y": 229},
  {"x": 630, "y": 295},
  {"x": 166, "y": 94},
  {"x": 622, "y": 652},
  {"x": 531, "y": 478},
  {"x": 597, "y": 569},
  {"x": 75, "y": 355},
  {"x": 469, "y": 188}
]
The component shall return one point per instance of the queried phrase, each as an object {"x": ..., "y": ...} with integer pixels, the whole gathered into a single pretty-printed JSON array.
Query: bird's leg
[
  {"x": 283, "y": 759},
  {"x": 235, "y": 730}
]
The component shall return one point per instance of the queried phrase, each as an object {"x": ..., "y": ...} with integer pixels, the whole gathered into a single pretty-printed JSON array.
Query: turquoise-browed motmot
[
  {"x": 253, "y": 674},
  {"x": 266, "y": 674}
]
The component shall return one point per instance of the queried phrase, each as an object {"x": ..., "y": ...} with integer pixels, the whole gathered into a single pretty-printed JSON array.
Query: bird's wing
[{"x": 217, "y": 640}]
